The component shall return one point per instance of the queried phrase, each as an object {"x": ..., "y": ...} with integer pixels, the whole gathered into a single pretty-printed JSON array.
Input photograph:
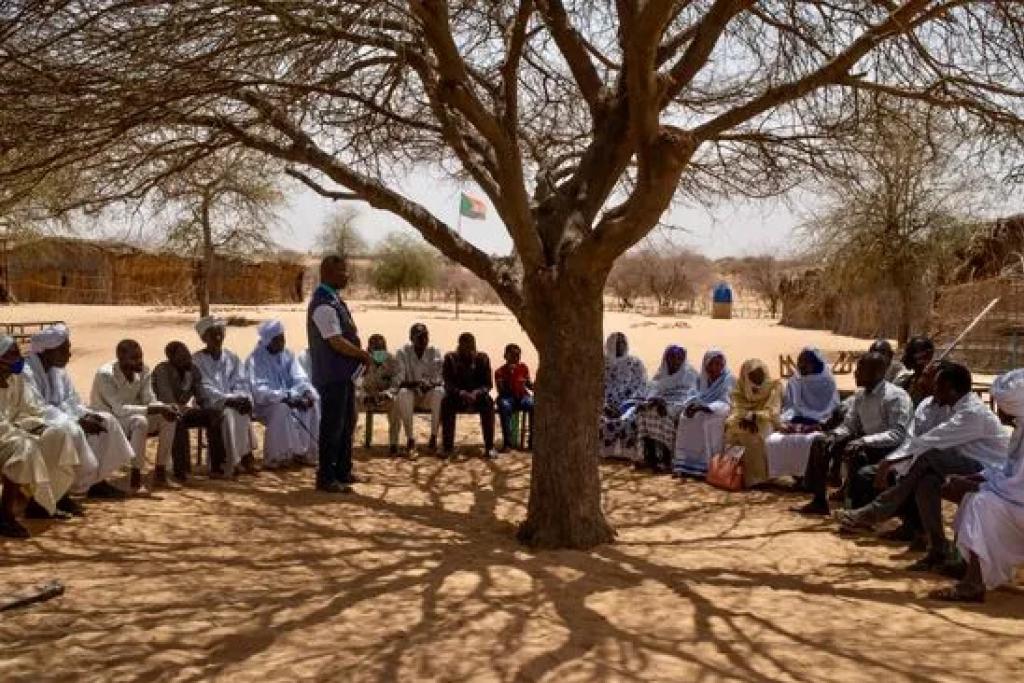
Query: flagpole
[{"x": 458, "y": 221}]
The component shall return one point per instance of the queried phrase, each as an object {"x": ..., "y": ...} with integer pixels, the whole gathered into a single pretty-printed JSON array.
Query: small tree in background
[
  {"x": 669, "y": 275},
  {"x": 403, "y": 263},
  {"x": 763, "y": 275},
  {"x": 225, "y": 202},
  {"x": 340, "y": 235},
  {"x": 627, "y": 281}
]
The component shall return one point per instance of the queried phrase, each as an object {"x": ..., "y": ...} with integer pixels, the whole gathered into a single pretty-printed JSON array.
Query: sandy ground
[
  {"x": 417, "y": 576},
  {"x": 97, "y": 329}
]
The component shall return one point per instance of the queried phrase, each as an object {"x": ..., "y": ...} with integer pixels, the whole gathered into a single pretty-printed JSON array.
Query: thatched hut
[
  {"x": 61, "y": 270},
  {"x": 809, "y": 302},
  {"x": 75, "y": 271},
  {"x": 991, "y": 266}
]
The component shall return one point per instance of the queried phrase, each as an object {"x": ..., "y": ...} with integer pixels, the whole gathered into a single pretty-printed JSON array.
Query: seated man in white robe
[
  {"x": 124, "y": 389},
  {"x": 35, "y": 458},
  {"x": 284, "y": 400},
  {"x": 990, "y": 522},
  {"x": 225, "y": 387},
  {"x": 99, "y": 440}
]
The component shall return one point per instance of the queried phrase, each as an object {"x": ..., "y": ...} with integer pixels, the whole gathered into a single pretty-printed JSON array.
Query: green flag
[{"x": 471, "y": 207}]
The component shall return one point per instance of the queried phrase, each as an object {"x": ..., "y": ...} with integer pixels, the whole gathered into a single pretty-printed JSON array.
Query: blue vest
[{"x": 327, "y": 365}]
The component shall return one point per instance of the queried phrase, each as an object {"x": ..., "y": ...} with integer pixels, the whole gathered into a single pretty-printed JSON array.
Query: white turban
[
  {"x": 207, "y": 323},
  {"x": 269, "y": 330},
  {"x": 49, "y": 338},
  {"x": 6, "y": 343},
  {"x": 1008, "y": 392}
]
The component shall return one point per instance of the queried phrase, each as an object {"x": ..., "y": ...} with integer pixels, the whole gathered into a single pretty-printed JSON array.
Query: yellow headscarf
[{"x": 755, "y": 393}]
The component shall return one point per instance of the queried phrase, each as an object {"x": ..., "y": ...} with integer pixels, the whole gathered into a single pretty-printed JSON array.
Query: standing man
[{"x": 336, "y": 360}]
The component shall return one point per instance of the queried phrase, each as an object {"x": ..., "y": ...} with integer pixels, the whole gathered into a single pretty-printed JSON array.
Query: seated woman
[
  {"x": 702, "y": 426},
  {"x": 810, "y": 402},
  {"x": 756, "y": 403},
  {"x": 658, "y": 415},
  {"x": 625, "y": 379}
]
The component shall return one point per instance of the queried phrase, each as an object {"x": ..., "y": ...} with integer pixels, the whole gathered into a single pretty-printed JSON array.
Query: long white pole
[{"x": 974, "y": 323}]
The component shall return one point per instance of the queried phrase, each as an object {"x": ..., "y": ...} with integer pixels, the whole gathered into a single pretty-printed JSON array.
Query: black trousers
[
  {"x": 823, "y": 459},
  {"x": 452, "y": 405},
  {"x": 337, "y": 426},
  {"x": 923, "y": 487},
  {"x": 208, "y": 419}
]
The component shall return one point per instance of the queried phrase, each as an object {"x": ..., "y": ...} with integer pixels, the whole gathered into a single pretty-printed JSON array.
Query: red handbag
[{"x": 725, "y": 471}]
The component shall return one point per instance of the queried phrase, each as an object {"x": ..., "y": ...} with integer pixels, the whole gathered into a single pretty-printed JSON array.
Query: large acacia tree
[{"x": 580, "y": 119}]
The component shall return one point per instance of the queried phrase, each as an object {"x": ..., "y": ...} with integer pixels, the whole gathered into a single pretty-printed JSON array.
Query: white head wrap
[
  {"x": 49, "y": 338},
  {"x": 269, "y": 330},
  {"x": 6, "y": 343},
  {"x": 1008, "y": 392},
  {"x": 207, "y": 323}
]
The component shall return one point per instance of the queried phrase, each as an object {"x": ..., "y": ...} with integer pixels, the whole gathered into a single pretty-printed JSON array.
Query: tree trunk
[
  {"x": 206, "y": 264},
  {"x": 399, "y": 297},
  {"x": 906, "y": 313},
  {"x": 564, "y": 510}
]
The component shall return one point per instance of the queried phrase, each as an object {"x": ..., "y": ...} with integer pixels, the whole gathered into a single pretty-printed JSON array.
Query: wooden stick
[
  {"x": 30, "y": 596},
  {"x": 974, "y": 323}
]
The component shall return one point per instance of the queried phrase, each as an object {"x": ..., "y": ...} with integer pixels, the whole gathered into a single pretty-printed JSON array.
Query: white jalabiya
[
  {"x": 43, "y": 464},
  {"x": 275, "y": 378},
  {"x": 225, "y": 378},
  {"x": 990, "y": 523},
  {"x": 99, "y": 455},
  {"x": 130, "y": 401}
]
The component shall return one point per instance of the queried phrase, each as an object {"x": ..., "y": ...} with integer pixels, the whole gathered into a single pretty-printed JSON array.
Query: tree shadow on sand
[{"x": 419, "y": 577}]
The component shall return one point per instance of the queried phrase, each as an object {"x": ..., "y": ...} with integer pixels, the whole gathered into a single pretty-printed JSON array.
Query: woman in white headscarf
[
  {"x": 990, "y": 522},
  {"x": 810, "y": 402},
  {"x": 625, "y": 380},
  {"x": 658, "y": 415},
  {"x": 702, "y": 425},
  {"x": 283, "y": 399}
]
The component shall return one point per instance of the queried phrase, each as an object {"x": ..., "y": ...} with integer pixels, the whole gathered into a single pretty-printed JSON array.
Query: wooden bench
[
  {"x": 842, "y": 363},
  {"x": 523, "y": 418},
  {"x": 22, "y": 332}
]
